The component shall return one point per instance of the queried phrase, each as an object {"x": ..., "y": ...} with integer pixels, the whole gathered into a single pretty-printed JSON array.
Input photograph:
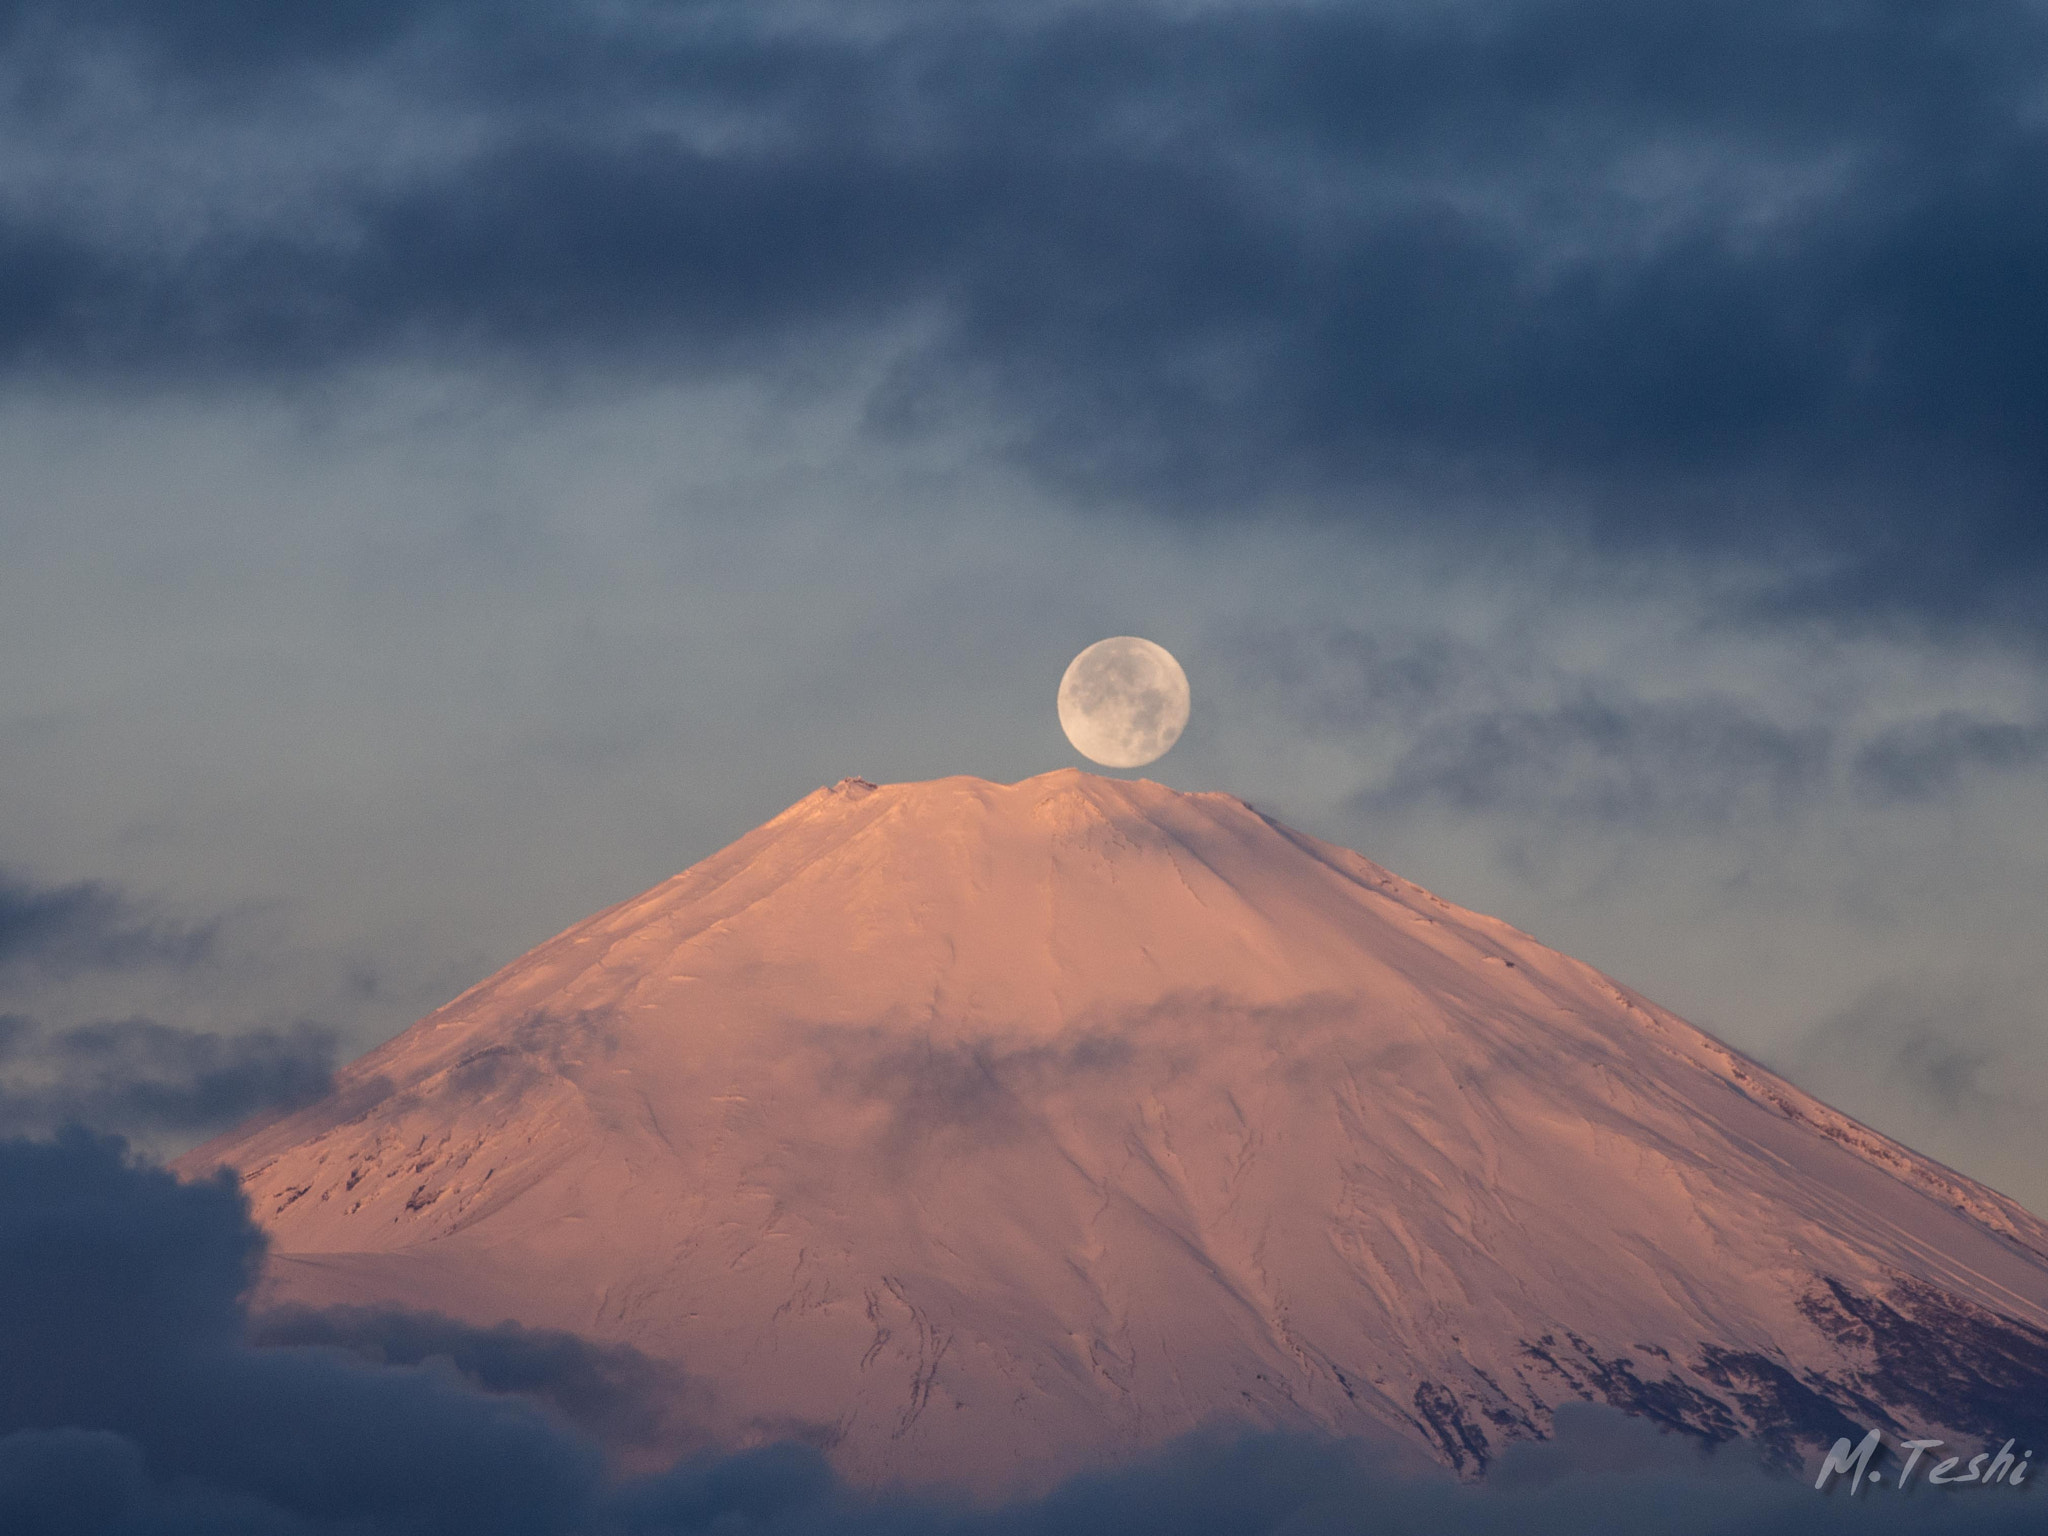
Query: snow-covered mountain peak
[{"x": 987, "y": 1131}]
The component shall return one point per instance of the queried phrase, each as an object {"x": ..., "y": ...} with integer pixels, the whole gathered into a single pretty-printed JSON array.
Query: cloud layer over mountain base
[{"x": 134, "y": 1402}]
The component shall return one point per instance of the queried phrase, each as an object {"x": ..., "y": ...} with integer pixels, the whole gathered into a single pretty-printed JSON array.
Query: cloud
[
  {"x": 1754, "y": 280},
  {"x": 122, "y": 1296},
  {"x": 1944, "y": 1056},
  {"x": 90, "y": 926},
  {"x": 137, "y": 1076},
  {"x": 617, "y": 1395},
  {"x": 218, "y": 36},
  {"x": 1442, "y": 723},
  {"x": 1927, "y": 758},
  {"x": 133, "y": 1404},
  {"x": 955, "y": 1098},
  {"x": 1957, "y": 1046},
  {"x": 1334, "y": 680},
  {"x": 1679, "y": 765}
]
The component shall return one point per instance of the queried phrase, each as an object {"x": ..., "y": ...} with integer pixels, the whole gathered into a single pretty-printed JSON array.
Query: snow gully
[{"x": 1855, "y": 1464}]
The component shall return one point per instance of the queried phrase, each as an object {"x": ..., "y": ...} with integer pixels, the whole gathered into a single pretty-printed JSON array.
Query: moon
[{"x": 1124, "y": 702}]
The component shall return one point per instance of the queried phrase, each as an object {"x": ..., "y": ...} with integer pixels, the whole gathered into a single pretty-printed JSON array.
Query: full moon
[{"x": 1124, "y": 702}]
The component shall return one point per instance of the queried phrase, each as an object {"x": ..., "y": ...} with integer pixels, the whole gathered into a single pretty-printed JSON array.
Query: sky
[{"x": 463, "y": 464}]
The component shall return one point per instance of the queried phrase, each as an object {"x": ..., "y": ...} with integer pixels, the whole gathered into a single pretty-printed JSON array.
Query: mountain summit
[{"x": 987, "y": 1132}]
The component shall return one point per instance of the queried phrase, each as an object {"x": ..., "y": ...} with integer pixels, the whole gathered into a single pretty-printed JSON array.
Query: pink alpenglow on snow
[{"x": 984, "y": 1132}]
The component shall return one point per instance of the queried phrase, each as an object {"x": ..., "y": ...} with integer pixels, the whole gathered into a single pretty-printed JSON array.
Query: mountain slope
[{"x": 984, "y": 1132}]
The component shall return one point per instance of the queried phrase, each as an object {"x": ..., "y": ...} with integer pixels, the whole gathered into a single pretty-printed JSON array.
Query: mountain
[{"x": 983, "y": 1133}]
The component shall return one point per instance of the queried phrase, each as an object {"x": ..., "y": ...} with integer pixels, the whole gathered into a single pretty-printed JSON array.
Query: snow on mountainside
[{"x": 986, "y": 1132}]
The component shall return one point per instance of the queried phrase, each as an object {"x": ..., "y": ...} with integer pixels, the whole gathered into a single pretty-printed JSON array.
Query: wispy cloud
[
  {"x": 140, "y": 1077},
  {"x": 1942, "y": 1045},
  {"x": 1652, "y": 764},
  {"x": 1946, "y": 1058},
  {"x": 89, "y": 925},
  {"x": 1931, "y": 757}
]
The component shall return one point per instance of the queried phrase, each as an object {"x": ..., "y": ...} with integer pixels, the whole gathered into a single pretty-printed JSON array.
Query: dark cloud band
[
  {"x": 138, "y": 1076},
  {"x": 90, "y": 926},
  {"x": 133, "y": 1404},
  {"x": 1748, "y": 278}
]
